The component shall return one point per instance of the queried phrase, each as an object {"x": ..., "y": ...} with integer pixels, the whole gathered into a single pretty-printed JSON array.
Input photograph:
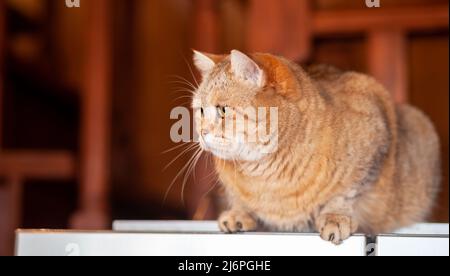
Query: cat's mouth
[
  {"x": 238, "y": 149},
  {"x": 221, "y": 153},
  {"x": 219, "y": 147}
]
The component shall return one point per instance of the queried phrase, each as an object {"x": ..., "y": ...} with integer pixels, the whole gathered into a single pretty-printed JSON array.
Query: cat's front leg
[
  {"x": 236, "y": 220},
  {"x": 335, "y": 222},
  {"x": 336, "y": 227}
]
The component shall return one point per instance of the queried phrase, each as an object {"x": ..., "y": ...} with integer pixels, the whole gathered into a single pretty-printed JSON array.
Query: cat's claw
[
  {"x": 236, "y": 221},
  {"x": 336, "y": 228}
]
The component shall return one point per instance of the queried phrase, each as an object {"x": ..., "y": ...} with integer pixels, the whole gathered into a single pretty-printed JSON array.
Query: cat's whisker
[
  {"x": 180, "y": 80},
  {"x": 183, "y": 97},
  {"x": 217, "y": 182},
  {"x": 196, "y": 161},
  {"x": 178, "y": 89},
  {"x": 176, "y": 177},
  {"x": 208, "y": 160},
  {"x": 188, "y": 172},
  {"x": 188, "y": 149},
  {"x": 189, "y": 169},
  {"x": 177, "y": 147},
  {"x": 184, "y": 83},
  {"x": 212, "y": 173},
  {"x": 192, "y": 72},
  {"x": 189, "y": 101},
  {"x": 183, "y": 90},
  {"x": 187, "y": 104},
  {"x": 175, "y": 76},
  {"x": 183, "y": 103}
]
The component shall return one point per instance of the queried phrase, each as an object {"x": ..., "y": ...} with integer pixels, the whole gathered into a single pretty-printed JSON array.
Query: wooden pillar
[
  {"x": 95, "y": 122},
  {"x": 206, "y": 29},
  {"x": 10, "y": 211},
  {"x": 4, "y": 235},
  {"x": 280, "y": 27},
  {"x": 2, "y": 63},
  {"x": 4, "y": 231},
  {"x": 387, "y": 61}
]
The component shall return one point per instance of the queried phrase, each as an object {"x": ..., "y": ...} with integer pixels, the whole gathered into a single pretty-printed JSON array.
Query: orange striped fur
[{"x": 348, "y": 158}]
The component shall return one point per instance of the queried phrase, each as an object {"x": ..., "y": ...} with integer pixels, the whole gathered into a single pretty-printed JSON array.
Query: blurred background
[{"x": 86, "y": 93}]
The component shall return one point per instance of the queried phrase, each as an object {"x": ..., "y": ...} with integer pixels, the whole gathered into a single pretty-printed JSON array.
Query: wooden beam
[
  {"x": 4, "y": 217},
  {"x": 280, "y": 27},
  {"x": 387, "y": 61},
  {"x": 411, "y": 18},
  {"x": 37, "y": 165},
  {"x": 95, "y": 121}
]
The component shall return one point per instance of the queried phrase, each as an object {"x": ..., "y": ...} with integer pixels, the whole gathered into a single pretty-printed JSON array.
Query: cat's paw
[
  {"x": 236, "y": 221},
  {"x": 336, "y": 228}
]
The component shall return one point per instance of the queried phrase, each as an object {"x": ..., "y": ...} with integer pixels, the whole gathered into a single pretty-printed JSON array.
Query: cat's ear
[
  {"x": 205, "y": 62},
  {"x": 246, "y": 69}
]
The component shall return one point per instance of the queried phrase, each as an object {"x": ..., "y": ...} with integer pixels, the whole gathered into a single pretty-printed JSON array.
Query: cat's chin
[
  {"x": 236, "y": 158},
  {"x": 222, "y": 155},
  {"x": 235, "y": 153}
]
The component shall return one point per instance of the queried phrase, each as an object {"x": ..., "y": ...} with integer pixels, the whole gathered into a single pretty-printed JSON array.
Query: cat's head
[{"x": 237, "y": 106}]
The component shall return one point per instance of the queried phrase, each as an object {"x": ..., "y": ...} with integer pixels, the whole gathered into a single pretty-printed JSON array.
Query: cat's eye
[
  {"x": 202, "y": 111},
  {"x": 221, "y": 111}
]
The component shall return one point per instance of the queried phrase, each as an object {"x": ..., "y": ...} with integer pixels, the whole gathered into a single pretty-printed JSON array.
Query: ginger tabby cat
[{"x": 347, "y": 158}]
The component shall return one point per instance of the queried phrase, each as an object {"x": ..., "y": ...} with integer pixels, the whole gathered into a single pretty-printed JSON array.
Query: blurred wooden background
[{"x": 85, "y": 94}]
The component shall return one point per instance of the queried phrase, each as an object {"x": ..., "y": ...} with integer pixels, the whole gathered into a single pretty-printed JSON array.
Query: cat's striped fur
[{"x": 348, "y": 157}]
